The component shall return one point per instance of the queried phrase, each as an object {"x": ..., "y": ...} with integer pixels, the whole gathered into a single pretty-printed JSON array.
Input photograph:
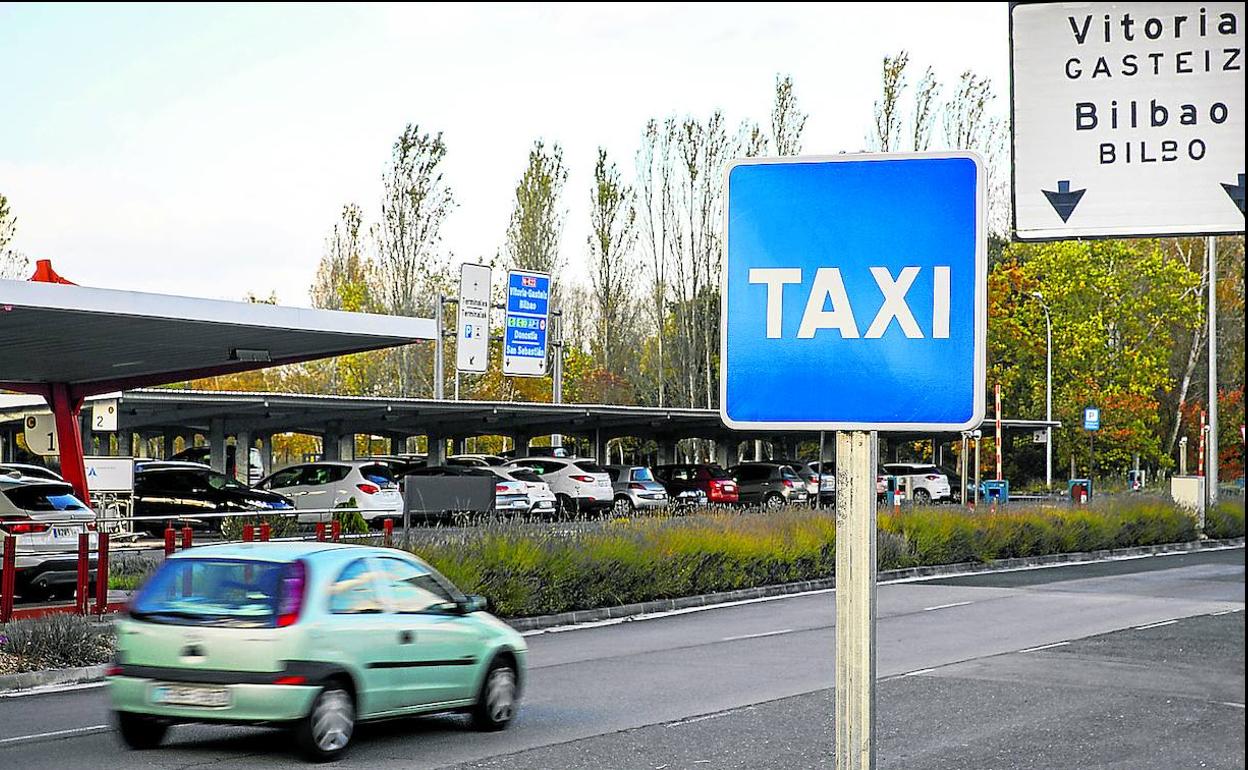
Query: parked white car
[
  {"x": 926, "y": 482},
  {"x": 541, "y": 499},
  {"x": 826, "y": 481},
  {"x": 334, "y": 484},
  {"x": 45, "y": 519},
  {"x": 578, "y": 484}
]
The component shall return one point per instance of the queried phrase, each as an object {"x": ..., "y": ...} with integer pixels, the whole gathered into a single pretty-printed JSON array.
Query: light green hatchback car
[{"x": 314, "y": 636}]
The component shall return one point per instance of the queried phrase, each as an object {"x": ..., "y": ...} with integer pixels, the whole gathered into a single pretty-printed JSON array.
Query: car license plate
[
  {"x": 59, "y": 532},
  {"x": 190, "y": 695}
]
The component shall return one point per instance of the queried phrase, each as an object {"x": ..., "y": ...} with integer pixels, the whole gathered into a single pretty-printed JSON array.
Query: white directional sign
[
  {"x": 39, "y": 430},
  {"x": 472, "y": 343},
  {"x": 110, "y": 474},
  {"x": 1128, "y": 118}
]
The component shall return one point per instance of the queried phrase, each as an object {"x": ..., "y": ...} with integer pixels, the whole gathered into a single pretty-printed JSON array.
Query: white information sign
[
  {"x": 104, "y": 416},
  {"x": 472, "y": 344},
  {"x": 110, "y": 474},
  {"x": 39, "y": 430},
  {"x": 1128, "y": 118}
]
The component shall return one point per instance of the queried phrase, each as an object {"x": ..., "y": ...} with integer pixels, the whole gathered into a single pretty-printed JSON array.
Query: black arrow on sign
[
  {"x": 1236, "y": 191},
  {"x": 1065, "y": 199}
]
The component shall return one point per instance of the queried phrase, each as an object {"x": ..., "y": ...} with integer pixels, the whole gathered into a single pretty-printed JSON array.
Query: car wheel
[
  {"x": 623, "y": 506},
  {"x": 922, "y": 497},
  {"x": 324, "y": 733},
  {"x": 139, "y": 731},
  {"x": 773, "y": 501},
  {"x": 496, "y": 703}
]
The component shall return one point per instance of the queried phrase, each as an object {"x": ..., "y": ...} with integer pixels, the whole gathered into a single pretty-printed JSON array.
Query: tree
[
  {"x": 411, "y": 269},
  {"x": 536, "y": 221},
  {"x": 13, "y": 264},
  {"x": 655, "y": 171},
  {"x": 925, "y": 96},
  {"x": 345, "y": 276},
  {"x": 613, "y": 225},
  {"x": 787, "y": 119},
  {"x": 886, "y": 136}
]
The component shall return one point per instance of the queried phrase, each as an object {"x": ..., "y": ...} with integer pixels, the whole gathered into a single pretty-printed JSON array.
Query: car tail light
[
  {"x": 637, "y": 486},
  {"x": 368, "y": 489},
  {"x": 290, "y": 594},
  {"x": 113, "y": 670},
  {"x": 583, "y": 479},
  {"x": 294, "y": 680},
  {"x": 787, "y": 483},
  {"x": 22, "y": 525},
  {"x": 91, "y": 526},
  {"x": 931, "y": 478}
]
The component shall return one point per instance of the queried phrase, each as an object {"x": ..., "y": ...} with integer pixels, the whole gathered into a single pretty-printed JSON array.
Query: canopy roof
[{"x": 100, "y": 340}]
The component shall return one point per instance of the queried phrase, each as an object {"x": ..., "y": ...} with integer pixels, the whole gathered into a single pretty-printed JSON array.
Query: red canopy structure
[{"x": 65, "y": 342}]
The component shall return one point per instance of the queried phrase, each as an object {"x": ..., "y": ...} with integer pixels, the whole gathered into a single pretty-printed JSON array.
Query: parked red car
[{"x": 720, "y": 488}]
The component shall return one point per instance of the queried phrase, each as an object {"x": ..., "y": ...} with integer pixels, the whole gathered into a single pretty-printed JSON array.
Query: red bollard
[
  {"x": 264, "y": 532},
  {"x": 84, "y": 579},
  {"x": 320, "y": 531},
  {"x": 101, "y": 574},
  {"x": 168, "y": 541},
  {"x": 8, "y": 578},
  {"x": 249, "y": 533},
  {"x": 186, "y": 538},
  {"x": 388, "y": 527},
  {"x": 335, "y": 530}
]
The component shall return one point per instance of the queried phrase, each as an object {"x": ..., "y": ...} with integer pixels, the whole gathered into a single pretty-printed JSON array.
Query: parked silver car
[
  {"x": 635, "y": 488},
  {"x": 539, "y": 500},
  {"x": 769, "y": 484}
]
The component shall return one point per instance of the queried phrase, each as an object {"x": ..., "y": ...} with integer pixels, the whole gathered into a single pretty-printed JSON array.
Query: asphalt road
[{"x": 1142, "y": 667}]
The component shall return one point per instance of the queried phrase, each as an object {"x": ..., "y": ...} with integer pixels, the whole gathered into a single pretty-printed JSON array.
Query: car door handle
[{"x": 406, "y": 637}]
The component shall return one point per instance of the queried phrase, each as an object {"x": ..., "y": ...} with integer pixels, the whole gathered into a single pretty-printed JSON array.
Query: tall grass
[{"x": 526, "y": 570}]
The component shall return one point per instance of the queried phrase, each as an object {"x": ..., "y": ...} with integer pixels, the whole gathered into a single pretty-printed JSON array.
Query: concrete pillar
[
  {"x": 125, "y": 443},
  {"x": 242, "y": 455},
  {"x": 88, "y": 436},
  {"x": 667, "y": 451},
  {"x": 398, "y": 445},
  {"x": 216, "y": 444},
  {"x": 727, "y": 452},
  {"x": 168, "y": 445},
  {"x": 266, "y": 453},
  {"x": 437, "y": 450},
  {"x": 599, "y": 447},
  {"x": 458, "y": 445},
  {"x": 521, "y": 441}
]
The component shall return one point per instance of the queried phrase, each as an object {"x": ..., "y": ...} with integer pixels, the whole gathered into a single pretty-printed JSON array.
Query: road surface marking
[
  {"x": 1045, "y": 647},
  {"x": 1233, "y": 705},
  {"x": 1226, "y": 612},
  {"x": 946, "y": 606},
  {"x": 1156, "y": 625},
  {"x": 52, "y": 688},
  {"x": 55, "y": 734},
  {"x": 757, "y": 636},
  {"x": 919, "y": 672}
]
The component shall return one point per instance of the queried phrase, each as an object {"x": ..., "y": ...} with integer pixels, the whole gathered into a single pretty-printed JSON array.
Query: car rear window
[
  {"x": 589, "y": 466},
  {"x": 211, "y": 592},
  {"x": 378, "y": 473},
  {"x": 44, "y": 497},
  {"x": 642, "y": 474},
  {"x": 712, "y": 472},
  {"x": 523, "y": 474}
]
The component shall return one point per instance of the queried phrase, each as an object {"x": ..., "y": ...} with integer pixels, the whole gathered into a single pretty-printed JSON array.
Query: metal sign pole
[
  {"x": 1211, "y": 475},
  {"x": 855, "y": 599},
  {"x": 438, "y": 347},
  {"x": 819, "y": 494}
]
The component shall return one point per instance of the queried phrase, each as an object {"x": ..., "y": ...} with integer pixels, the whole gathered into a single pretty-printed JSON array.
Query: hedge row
[{"x": 525, "y": 572}]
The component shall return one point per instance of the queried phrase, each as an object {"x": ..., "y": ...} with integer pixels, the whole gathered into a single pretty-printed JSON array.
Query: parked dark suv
[
  {"x": 185, "y": 492},
  {"x": 770, "y": 485},
  {"x": 720, "y": 488}
]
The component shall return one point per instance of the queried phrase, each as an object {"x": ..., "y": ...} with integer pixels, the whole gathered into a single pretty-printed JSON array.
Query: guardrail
[{"x": 103, "y": 548}]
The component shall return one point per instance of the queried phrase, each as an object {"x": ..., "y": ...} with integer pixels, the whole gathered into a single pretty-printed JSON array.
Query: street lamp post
[{"x": 1048, "y": 392}]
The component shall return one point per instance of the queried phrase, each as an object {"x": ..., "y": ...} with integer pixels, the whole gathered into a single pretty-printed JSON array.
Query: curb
[
  {"x": 576, "y": 617},
  {"x": 71, "y": 676},
  {"x": 52, "y": 677}
]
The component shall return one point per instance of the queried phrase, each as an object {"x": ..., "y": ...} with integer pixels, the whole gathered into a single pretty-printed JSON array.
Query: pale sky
[{"x": 208, "y": 150}]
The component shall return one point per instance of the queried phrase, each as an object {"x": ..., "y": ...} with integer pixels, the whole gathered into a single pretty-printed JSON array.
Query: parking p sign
[{"x": 854, "y": 293}]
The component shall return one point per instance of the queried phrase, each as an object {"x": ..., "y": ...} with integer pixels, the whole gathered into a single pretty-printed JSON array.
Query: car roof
[
  {"x": 264, "y": 551},
  {"x": 27, "y": 481},
  {"x": 170, "y": 465}
]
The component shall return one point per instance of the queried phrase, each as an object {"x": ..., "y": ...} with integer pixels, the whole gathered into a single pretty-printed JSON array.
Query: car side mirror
[{"x": 473, "y": 603}]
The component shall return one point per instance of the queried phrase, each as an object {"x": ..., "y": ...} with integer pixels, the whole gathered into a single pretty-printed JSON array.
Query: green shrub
[
  {"x": 127, "y": 571},
  {"x": 532, "y": 569},
  {"x": 279, "y": 526},
  {"x": 53, "y": 641},
  {"x": 1225, "y": 520}
]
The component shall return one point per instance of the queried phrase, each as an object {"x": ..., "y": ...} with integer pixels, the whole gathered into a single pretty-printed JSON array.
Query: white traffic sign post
[
  {"x": 472, "y": 341},
  {"x": 855, "y": 300},
  {"x": 528, "y": 316},
  {"x": 1128, "y": 118}
]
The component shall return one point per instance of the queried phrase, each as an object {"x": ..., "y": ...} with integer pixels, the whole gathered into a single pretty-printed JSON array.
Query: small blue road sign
[
  {"x": 855, "y": 293},
  {"x": 1091, "y": 418},
  {"x": 528, "y": 312}
]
